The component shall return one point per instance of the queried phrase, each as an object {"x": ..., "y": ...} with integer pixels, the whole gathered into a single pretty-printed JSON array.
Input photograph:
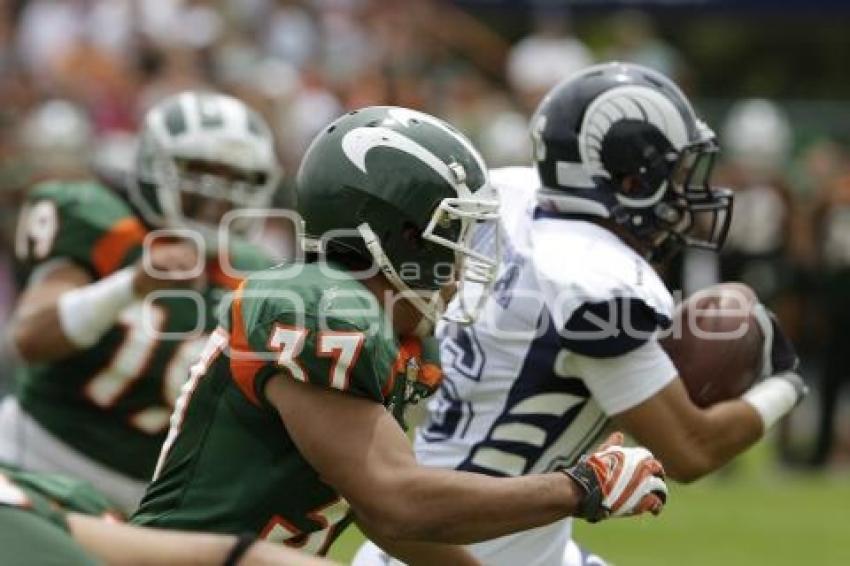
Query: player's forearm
[
  {"x": 727, "y": 429},
  {"x": 119, "y": 544},
  {"x": 37, "y": 333},
  {"x": 115, "y": 543},
  {"x": 461, "y": 508},
  {"x": 421, "y": 553},
  {"x": 36, "y": 329},
  {"x": 730, "y": 428},
  {"x": 60, "y": 318}
]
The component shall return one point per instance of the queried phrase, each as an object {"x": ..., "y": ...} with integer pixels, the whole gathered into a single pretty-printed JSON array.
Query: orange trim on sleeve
[
  {"x": 244, "y": 363},
  {"x": 408, "y": 347},
  {"x": 111, "y": 249},
  {"x": 218, "y": 276},
  {"x": 431, "y": 375}
]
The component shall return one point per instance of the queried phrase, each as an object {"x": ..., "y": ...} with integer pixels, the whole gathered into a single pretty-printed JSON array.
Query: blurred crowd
[{"x": 76, "y": 75}]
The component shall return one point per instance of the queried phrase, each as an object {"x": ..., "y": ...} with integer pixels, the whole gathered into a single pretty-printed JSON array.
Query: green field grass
[{"x": 749, "y": 515}]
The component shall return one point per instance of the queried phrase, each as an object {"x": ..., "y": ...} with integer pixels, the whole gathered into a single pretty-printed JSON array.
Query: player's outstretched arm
[
  {"x": 63, "y": 311},
  {"x": 119, "y": 544},
  {"x": 358, "y": 448},
  {"x": 36, "y": 327}
]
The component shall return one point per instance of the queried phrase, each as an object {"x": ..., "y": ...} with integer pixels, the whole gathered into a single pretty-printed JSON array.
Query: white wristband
[
  {"x": 86, "y": 313},
  {"x": 772, "y": 399}
]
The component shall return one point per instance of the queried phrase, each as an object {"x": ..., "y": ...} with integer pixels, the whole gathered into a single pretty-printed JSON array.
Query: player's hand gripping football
[
  {"x": 779, "y": 358},
  {"x": 619, "y": 481},
  {"x": 169, "y": 264}
]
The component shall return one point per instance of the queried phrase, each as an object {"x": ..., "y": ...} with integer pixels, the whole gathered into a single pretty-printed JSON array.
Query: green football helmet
[
  {"x": 402, "y": 191},
  {"x": 201, "y": 147}
]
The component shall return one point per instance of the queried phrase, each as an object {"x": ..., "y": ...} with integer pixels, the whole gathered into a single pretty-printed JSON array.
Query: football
[{"x": 716, "y": 343}]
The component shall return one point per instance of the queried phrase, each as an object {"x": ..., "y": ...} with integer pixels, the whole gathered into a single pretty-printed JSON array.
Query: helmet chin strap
[
  {"x": 473, "y": 267},
  {"x": 373, "y": 244}
]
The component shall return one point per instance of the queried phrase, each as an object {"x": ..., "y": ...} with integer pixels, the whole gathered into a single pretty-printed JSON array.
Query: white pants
[
  {"x": 533, "y": 550},
  {"x": 26, "y": 444}
]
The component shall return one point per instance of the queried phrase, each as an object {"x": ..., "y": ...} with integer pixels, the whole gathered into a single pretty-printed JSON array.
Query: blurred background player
[
  {"x": 289, "y": 426},
  {"x": 49, "y": 519},
  {"x": 569, "y": 341},
  {"x": 831, "y": 232},
  {"x": 756, "y": 139},
  {"x": 103, "y": 366}
]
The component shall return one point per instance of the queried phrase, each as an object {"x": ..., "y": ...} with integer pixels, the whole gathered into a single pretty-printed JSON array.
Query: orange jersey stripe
[
  {"x": 219, "y": 277},
  {"x": 408, "y": 347},
  {"x": 244, "y": 363},
  {"x": 111, "y": 249}
]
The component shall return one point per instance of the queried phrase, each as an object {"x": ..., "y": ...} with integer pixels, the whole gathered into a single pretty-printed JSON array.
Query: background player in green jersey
[
  {"x": 283, "y": 428},
  {"x": 33, "y": 518},
  {"x": 103, "y": 367},
  {"x": 49, "y": 519}
]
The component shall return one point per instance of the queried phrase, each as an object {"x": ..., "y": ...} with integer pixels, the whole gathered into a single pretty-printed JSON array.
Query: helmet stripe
[
  {"x": 210, "y": 112},
  {"x": 175, "y": 120}
]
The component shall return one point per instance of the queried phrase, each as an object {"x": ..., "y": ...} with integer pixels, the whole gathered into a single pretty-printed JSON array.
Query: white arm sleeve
[{"x": 624, "y": 381}]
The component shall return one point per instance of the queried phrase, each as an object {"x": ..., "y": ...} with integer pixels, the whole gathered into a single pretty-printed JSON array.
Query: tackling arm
[
  {"x": 119, "y": 543},
  {"x": 359, "y": 449}
]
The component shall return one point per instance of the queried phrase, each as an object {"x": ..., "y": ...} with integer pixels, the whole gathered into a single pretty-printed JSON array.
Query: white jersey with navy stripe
[{"x": 530, "y": 386}]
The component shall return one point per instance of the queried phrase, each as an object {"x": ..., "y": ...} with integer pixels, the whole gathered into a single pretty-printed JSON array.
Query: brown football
[{"x": 716, "y": 343}]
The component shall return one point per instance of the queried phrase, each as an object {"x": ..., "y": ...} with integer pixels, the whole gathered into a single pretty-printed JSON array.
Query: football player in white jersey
[{"x": 567, "y": 342}]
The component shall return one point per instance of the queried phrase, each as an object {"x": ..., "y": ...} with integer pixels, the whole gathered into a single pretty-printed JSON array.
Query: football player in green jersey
[
  {"x": 34, "y": 510},
  {"x": 283, "y": 428},
  {"x": 48, "y": 519},
  {"x": 120, "y": 296}
]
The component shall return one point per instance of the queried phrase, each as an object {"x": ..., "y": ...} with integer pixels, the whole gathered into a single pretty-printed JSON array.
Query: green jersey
[
  {"x": 229, "y": 464},
  {"x": 50, "y": 496},
  {"x": 112, "y": 401},
  {"x": 28, "y": 539},
  {"x": 33, "y": 529}
]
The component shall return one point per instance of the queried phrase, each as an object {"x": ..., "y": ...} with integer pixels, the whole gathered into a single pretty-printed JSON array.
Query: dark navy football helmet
[{"x": 622, "y": 142}]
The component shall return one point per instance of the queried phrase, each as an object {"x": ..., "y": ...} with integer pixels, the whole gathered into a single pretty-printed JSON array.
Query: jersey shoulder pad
[
  {"x": 84, "y": 222},
  {"x": 605, "y": 299},
  {"x": 320, "y": 330}
]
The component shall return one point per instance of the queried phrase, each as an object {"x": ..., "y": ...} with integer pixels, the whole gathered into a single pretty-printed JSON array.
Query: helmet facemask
[
  {"x": 200, "y": 156},
  {"x": 664, "y": 196},
  {"x": 186, "y": 187},
  {"x": 474, "y": 269},
  {"x": 693, "y": 213},
  {"x": 452, "y": 225}
]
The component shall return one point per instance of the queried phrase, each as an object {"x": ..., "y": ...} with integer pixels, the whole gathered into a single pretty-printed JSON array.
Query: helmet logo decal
[
  {"x": 357, "y": 143},
  {"x": 627, "y": 103},
  {"x": 406, "y": 116}
]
